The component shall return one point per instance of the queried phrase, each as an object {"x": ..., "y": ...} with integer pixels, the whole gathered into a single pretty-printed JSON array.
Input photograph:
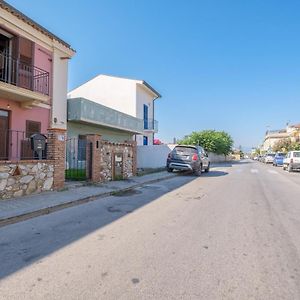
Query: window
[
  {"x": 32, "y": 127},
  {"x": 146, "y": 117}
]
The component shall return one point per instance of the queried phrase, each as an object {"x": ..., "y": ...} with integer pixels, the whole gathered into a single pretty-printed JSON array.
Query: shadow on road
[
  {"x": 215, "y": 174},
  {"x": 29, "y": 242}
]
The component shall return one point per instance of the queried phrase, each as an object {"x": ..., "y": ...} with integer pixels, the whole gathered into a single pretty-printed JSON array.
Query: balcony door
[
  {"x": 4, "y": 127},
  {"x": 145, "y": 116},
  {"x": 25, "y": 68},
  {"x": 4, "y": 58}
]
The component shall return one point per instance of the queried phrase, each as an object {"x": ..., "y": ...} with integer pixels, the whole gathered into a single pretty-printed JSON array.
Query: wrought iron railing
[
  {"x": 18, "y": 73},
  {"x": 15, "y": 145}
]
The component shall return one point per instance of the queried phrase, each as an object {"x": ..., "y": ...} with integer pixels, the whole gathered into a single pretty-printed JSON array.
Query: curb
[{"x": 48, "y": 210}]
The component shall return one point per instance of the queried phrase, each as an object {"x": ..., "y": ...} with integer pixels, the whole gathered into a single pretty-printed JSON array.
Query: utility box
[{"x": 38, "y": 144}]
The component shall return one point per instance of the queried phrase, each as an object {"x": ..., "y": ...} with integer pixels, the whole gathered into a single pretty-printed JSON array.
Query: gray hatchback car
[{"x": 185, "y": 157}]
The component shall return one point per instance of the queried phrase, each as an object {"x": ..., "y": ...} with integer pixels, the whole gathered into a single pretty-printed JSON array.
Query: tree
[
  {"x": 285, "y": 145},
  {"x": 218, "y": 142}
]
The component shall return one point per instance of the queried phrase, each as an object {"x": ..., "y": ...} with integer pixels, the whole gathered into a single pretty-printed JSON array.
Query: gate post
[
  {"x": 94, "y": 157},
  {"x": 56, "y": 151},
  {"x": 133, "y": 144}
]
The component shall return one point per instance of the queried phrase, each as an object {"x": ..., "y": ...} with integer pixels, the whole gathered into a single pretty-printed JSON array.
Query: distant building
[{"x": 291, "y": 132}]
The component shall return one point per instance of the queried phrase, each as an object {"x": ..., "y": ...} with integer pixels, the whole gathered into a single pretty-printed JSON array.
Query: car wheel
[
  {"x": 170, "y": 170},
  {"x": 283, "y": 167},
  {"x": 290, "y": 169},
  {"x": 198, "y": 172},
  {"x": 207, "y": 169}
]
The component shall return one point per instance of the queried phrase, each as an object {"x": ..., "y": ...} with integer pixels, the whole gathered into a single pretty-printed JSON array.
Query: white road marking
[
  {"x": 254, "y": 171},
  {"x": 272, "y": 171}
]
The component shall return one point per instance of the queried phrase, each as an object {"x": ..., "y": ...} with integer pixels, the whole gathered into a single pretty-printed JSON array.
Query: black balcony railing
[
  {"x": 18, "y": 73},
  {"x": 15, "y": 145}
]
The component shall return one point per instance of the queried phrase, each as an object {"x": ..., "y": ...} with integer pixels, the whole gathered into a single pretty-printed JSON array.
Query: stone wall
[
  {"x": 108, "y": 151},
  {"x": 25, "y": 177}
]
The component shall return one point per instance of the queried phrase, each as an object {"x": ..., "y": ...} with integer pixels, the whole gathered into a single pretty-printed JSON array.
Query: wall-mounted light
[{"x": 8, "y": 106}]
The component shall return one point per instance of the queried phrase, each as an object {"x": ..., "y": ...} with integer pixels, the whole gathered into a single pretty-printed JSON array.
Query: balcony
[
  {"x": 23, "y": 82},
  {"x": 88, "y": 112},
  {"x": 150, "y": 125}
]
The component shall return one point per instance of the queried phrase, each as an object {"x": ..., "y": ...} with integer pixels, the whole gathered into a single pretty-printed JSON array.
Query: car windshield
[
  {"x": 184, "y": 150},
  {"x": 271, "y": 154},
  {"x": 280, "y": 154}
]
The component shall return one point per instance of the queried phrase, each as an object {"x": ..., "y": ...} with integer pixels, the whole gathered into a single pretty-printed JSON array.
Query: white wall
[
  {"x": 143, "y": 96},
  {"x": 154, "y": 156},
  {"x": 113, "y": 92},
  {"x": 60, "y": 88},
  {"x": 216, "y": 158}
]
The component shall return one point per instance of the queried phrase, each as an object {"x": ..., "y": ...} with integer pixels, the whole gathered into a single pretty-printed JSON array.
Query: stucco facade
[
  {"x": 125, "y": 95},
  {"x": 33, "y": 100},
  {"x": 76, "y": 129}
]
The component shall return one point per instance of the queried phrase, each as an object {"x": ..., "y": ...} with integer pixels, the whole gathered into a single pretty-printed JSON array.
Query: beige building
[{"x": 273, "y": 136}]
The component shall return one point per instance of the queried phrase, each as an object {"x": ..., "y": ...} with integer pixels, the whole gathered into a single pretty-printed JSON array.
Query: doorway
[{"x": 4, "y": 130}]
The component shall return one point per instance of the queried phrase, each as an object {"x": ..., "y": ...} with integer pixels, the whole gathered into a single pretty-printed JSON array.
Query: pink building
[{"x": 33, "y": 82}]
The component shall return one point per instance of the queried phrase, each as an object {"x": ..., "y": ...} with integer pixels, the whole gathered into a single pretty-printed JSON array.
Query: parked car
[
  {"x": 291, "y": 161},
  {"x": 185, "y": 157},
  {"x": 278, "y": 159},
  {"x": 268, "y": 158}
]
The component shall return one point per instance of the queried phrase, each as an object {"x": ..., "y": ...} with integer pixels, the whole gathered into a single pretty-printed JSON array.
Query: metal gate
[{"x": 78, "y": 159}]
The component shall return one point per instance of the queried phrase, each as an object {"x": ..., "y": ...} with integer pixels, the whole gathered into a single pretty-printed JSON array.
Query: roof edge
[{"x": 4, "y": 5}]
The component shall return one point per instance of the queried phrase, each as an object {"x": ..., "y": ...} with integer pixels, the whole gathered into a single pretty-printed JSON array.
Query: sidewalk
[{"x": 20, "y": 209}]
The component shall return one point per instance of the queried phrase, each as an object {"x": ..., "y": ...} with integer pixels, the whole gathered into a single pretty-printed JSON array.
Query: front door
[{"x": 4, "y": 126}]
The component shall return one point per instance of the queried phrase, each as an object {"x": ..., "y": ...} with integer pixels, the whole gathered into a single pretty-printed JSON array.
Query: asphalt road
[{"x": 229, "y": 234}]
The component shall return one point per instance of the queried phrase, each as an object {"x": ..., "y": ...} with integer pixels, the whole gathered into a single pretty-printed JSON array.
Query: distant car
[
  {"x": 278, "y": 159},
  {"x": 291, "y": 161},
  {"x": 185, "y": 157},
  {"x": 269, "y": 157}
]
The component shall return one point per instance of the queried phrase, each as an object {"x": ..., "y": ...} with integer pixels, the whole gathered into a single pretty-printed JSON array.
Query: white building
[{"x": 132, "y": 97}]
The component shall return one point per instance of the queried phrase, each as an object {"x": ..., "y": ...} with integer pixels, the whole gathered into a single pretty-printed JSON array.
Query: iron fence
[
  {"x": 78, "y": 159},
  {"x": 15, "y": 145},
  {"x": 23, "y": 75}
]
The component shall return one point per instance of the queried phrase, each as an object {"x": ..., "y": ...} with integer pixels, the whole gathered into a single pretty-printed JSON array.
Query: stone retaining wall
[
  {"x": 25, "y": 177},
  {"x": 108, "y": 150}
]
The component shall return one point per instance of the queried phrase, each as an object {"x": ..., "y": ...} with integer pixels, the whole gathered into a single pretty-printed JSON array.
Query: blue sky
[{"x": 224, "y": 65}]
